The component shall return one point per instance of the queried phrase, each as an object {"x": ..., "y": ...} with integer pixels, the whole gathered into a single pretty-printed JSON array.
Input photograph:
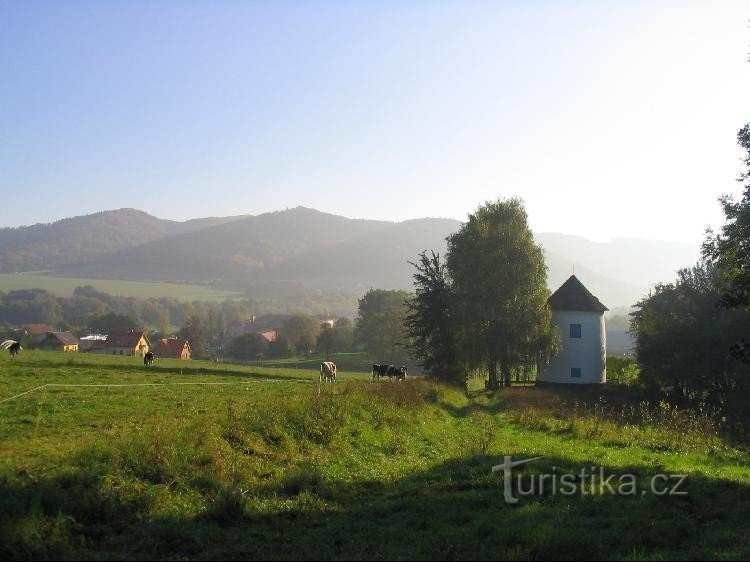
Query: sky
[{"x": 609, "y": 119}]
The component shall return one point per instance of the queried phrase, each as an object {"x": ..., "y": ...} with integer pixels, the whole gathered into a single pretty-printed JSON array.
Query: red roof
[
  {"x": 170, "y": 347},
  {"x": 36, "y": 329},
  {"x": 270, "y": 335},
  {"x": 124, "y": 338}
]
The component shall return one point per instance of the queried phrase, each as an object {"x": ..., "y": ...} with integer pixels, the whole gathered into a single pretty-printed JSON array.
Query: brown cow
[{"x": 327, "y": 371}]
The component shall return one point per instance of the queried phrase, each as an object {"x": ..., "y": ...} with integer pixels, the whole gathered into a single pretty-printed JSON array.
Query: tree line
[{"x": 691, "y": 335}]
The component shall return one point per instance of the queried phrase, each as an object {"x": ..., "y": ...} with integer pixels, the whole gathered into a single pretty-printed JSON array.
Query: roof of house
[
  {"x": 572, "y": 295},
  {"x": 64, "y": 338},
  {"x": 124, "y": 338},
  {"x": 36, "y": 329},
  {"x": 170, "y": 346},
  {"x": 270, "y": 335}
]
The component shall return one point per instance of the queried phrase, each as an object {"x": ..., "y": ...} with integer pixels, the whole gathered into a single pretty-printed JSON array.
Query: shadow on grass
[
  {"x": 155, "y": 370},
  {"x": 454, "y": 510}
]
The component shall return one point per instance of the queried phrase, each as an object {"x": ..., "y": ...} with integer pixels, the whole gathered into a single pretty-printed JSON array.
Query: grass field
[
  {"x": 64, "y": 287},
  {"x": 256, "y": 463}
]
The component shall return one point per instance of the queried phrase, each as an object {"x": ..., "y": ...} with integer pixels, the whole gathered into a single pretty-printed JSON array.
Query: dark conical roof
[{"x": 572, "y": 295}]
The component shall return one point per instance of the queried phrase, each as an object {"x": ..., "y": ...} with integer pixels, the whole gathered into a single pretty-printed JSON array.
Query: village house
[
  {"x": 175, "y": 348},
  {"x": 123, "y": 342},
  {"x": 59, "y": 341}
]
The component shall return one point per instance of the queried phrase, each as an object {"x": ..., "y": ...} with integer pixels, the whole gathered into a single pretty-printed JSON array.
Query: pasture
[
  {"x": 257, "y": 463},
  {"x": 64, "y": 287}
]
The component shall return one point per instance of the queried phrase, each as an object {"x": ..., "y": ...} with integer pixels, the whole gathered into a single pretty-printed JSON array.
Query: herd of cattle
[
  {"x": 328, "y": 371},
  {"x": 327, "y": 368}
]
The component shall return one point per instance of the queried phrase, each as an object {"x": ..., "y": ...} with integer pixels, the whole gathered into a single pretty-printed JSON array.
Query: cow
[
  {"x": 327, "y": 371},
  {"x": 398, "y": 372},
  {"x": 12, "y": 346},
  {"x": 148, "y": 359},
  {"x": 380, "y": 370}
]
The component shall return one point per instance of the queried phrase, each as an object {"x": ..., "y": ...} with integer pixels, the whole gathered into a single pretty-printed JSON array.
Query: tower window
[
  {"x": 575, "y": 372},
  {"x": 575, "y": 330}
]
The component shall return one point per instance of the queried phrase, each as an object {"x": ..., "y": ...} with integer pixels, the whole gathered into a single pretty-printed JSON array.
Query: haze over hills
[
  {"x": 301, "y": 250},
  {"x": 82, "y": 239}
]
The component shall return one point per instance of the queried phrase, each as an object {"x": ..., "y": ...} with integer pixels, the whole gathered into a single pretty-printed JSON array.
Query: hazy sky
[{"x": 608, "y": 119}]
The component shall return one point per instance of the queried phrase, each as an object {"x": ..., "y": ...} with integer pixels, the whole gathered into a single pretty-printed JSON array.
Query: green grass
[
  {"x": 64, "y": 287},
  {"x": 355, "y": 361},
  {"x": 264, "y": 466}
]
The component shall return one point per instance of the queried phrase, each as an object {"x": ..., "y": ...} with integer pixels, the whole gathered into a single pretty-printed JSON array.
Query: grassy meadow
[
  {"x": 258, "y": 463},
  {"x": 64, "y": 287}
]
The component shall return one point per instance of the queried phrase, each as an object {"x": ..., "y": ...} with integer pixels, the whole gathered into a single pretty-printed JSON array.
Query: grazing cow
[
  {"x": 380, "y": 370},
  {"x": 327, "y": 371},
  {"x": 401, "y": 373},
  {"x": 13, "y": 346},
  {"x": 148, "y": 359}
]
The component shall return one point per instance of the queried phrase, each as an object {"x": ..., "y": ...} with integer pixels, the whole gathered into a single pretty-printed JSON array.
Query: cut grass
[{"x": 266, "y": 467}]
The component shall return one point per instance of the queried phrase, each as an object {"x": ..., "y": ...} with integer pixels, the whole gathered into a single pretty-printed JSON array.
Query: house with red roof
[
  {"x": 123, "y": 342},
  {"x": 176, "y": 348}
]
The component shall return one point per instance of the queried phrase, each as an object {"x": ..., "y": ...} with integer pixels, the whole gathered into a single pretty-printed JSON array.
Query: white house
[{"x": 579, "y": 316}]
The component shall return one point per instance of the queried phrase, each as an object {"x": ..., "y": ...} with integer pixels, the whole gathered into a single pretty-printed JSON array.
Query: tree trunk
[
  {"x": 506, "y": 374},
  {"x": 493, "y": 383}
]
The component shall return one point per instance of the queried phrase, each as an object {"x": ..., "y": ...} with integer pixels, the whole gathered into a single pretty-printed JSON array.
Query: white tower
[{"x": 579, "y": 316}]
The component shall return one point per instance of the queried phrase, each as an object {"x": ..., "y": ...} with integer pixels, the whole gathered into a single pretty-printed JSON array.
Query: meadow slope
[{"x": 256, "y": 463}]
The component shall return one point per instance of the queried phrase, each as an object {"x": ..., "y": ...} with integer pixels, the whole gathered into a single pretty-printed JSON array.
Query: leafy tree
[
  {"x": 684, "y": 342},
  {"x": 280, "y": 347},
  {"x": 301, "y": 331},
  {"x": 343, "y": 335},
  {"x": 112, "y": 321},
  {"x": 327, "y": 340},
  {"x": 248, "y": 346},
  {"x": 500, "y": 285},
  {"x": 429, "y": 322},
  {"x": 380, "y": 325},
  {"x": 194, "y": 332},
  {"x": 730, "y": 249}
]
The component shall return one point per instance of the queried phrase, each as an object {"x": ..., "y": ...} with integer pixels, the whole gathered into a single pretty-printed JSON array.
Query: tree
[
  {"x": 302, "y": 332},
  {"x": 500, "y": 292},
  {"x": 327, "y": 340},
  {"x": 684, "y": 344},
  {"x": 730, "y": 250},
  {"x": 380, "y": 325},
  {"x": 343, "y": 335},
  {"x": 248, "y": 346},
  {"x": 429, "y": 322},
  {"x": 194, "y": 331},
  {"x": 112, "y": 321}
]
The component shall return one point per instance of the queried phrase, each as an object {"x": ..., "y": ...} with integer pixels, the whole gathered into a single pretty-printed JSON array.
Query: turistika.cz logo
[{"x": 590, "y": 481}]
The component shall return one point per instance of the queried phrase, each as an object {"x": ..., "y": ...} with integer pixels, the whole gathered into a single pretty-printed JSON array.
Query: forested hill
[
  {"x": 82, "y": 239},
  {"x": 301, "y": 250}
]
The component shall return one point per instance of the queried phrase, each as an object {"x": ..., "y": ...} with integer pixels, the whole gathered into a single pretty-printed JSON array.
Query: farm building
[
  {"x": 126, "y": 342},
  {"x": 59, "y": 341},
  {"x": 579, "y": 316},
  {"x": 175, "y": 348}
]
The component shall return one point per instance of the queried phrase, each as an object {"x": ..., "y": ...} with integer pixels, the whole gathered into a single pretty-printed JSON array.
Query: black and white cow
[
  {"x": 13, "y": 346},
  {"x": 379, "y": 370},
  {"x": 398, "y": 372},
  {"x": 148, "y": 359}
]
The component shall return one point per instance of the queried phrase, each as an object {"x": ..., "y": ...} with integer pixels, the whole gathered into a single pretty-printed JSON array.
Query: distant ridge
[{"x": 301, "y": 250}]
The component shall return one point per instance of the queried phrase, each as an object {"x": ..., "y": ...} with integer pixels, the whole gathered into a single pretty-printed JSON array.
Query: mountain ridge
[{"x": 300, "y": 249}]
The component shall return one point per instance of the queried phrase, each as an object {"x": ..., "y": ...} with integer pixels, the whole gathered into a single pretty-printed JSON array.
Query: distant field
[
  {"x": 202, "y": 461},
  {"x": 64, "y": 286}
]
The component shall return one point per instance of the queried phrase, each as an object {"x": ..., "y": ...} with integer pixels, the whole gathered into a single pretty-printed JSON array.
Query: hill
[
  {"x": 79, "y": 240},
  {"x": 301, "y": 250}
]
